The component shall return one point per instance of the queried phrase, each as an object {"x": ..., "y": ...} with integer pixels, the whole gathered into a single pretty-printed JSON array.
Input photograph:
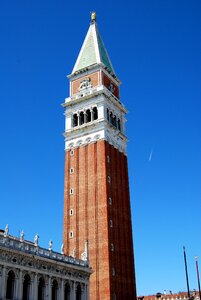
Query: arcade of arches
[{"x": 17, "y": 284}]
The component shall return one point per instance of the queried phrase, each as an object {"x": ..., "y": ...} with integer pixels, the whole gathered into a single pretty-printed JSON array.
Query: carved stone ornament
[
  {"x": 50, "y": 245},
  {"x": 85, "y": 84},
  {"x": 74, "y": 253},
  {"x": 62, "y": 249},
  {"x": 6, "y": 231},
  {"x": 111, "y": 87},
  {"x": 84, "y": 256},
  {"x": 36, "y": 239},
  {"x": 22, "y": 236}
]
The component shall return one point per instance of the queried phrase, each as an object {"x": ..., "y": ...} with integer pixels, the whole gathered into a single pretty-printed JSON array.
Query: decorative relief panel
[{"x": 85, "y": 82}]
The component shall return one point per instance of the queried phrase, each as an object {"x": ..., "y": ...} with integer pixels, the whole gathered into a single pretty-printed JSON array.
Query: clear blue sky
[{"x": 155, "y": 47}]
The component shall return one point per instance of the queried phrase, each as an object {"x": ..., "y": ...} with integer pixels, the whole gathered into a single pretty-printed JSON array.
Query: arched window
[
  {"x": 10, "y": 285},
  {"x": 41, "y": 289},
  {"x": 26, "y": 287},
  {"x": 78, "y": 292},
  {"x": 67, "y": 292},
  {"x": 95, "y": 112},
  {"x": 81, "y": 118},
  {"x": 88, "y": 114},
  {"x": 75, "y": 120},
  {"x": 54, "y": 290}
]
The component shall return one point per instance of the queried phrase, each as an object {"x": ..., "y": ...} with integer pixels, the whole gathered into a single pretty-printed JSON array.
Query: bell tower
[{"x": 96, "y": 185}]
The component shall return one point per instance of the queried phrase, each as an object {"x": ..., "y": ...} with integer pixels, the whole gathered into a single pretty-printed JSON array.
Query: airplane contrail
[{"x": 151, "y": 154}]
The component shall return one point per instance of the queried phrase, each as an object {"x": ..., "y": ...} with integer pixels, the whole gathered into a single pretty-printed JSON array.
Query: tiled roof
[{"x": 175, "y": 296}]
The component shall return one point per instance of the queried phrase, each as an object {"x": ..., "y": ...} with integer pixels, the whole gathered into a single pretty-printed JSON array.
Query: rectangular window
[
  {"x": 71, "y": 170},
  {"x": 71, "y": 234}
]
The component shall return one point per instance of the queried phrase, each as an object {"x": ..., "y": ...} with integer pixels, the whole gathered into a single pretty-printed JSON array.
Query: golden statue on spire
[{"x": 93, "y": 16}]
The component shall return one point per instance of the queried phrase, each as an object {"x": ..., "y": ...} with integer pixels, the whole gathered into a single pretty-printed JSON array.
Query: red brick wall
[
  {"x": 92, "y": 215},
  {"x": 107, "y": 81}
]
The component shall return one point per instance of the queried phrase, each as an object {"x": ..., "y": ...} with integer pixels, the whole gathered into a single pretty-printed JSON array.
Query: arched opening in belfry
[
  {"x": 119, "y": 125},
  {"x": 55, "y": 288},
  {"x": 81, "y": 118},
  {"x": 26, "y": 287},
  {"x": 88, "y": 114},
  {"x": 41, "y": 289},
  {"x": 111, "y": 117},
  {"x": 115, "y": 121},
  {"x": 95, "y": 113},
  {"x": 108, "y": 115},
  {"x": 67, "y": 291},
  {"x": 10, "y": 285},
  {"x": 78, "y": 292},
  {"x": 75, "y": 120}
]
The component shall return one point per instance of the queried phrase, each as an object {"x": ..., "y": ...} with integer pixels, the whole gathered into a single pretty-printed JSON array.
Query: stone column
[
  {"x": 1, "y": 270},
  {"x": 16, "y": 284},
  {"x": 123, "y": 127},
  {"x": 61, "y": 290},
  {"x": 20, "y": 285},
  {"x": 83, "y": 291},
  {"x": 3, "y": 283},
  {"x": 35, "y": 287},
  {"x": 86, "y": 292},
  {"x": 73, "y": 291},
  {"x": 49, "y": 288},
  {"x": 31, "y": 291},
  {"x": 85, "y": 117},
  {"x": 92, "y": 115}
]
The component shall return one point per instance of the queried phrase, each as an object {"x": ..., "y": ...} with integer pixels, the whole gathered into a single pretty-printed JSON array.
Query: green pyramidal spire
[{"x": 93, "y": 50}]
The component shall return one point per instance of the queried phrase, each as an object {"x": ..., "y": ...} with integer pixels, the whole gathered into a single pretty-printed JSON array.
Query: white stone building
[{"x": 29, "y": 272}]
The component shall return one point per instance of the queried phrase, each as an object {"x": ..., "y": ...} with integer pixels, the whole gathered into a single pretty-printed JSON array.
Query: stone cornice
[
  {"x": 94, "y": 133},
  {"x": 94, "y": 68},
  {"x": 93, "y": 92}
]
